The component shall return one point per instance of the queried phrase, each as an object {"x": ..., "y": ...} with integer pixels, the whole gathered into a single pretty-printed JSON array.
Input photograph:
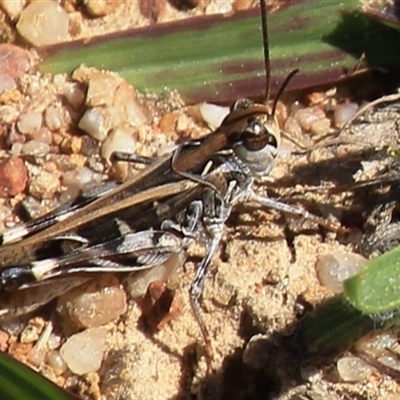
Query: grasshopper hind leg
[
  {"x": 131, "y": 158},
  {"x": 273, "y": 204}
]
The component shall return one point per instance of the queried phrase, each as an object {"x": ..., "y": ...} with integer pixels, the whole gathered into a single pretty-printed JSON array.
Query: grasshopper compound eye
[{"x": 258, "y": 135}]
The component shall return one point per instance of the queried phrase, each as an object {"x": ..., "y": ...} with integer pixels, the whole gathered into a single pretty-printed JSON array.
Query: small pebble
[
  {"x": 6, "y": 83},
  {"x": 54, "y": 341},
  {"x": 71, "y": 193},
  {"x": 292, "y": 127},
  {"x": 160, "y": 305},
  {"x": 13, "y": 326},
  {"x": 307, "y": 116},
  {"x": 32, "y": 207},
  {"x": 8, "y": 114},
  {"x": 222, "y": 292},
  {"x": 35, "y": 148},
  {"x": 89, "y": 146},
  {"x": 95, "y": 164},
  {"x": 33, "y": 88},
  {"x": 353, "y": 369},
  {"x": 15, "y": 61},
  {"x": 256, "y": 353},
  {"x": 99, "y": 8},
  {"x": 71, "y": 382},
  {"x": 130, "y": 108},
  {"x": 98, "y": 122},
  {"x": 96, "y": 303},
  {"x": 13, "y": 8},
  {"x": 43, "y": 23},
  {"x": 310, "y": 373},
  {"x": 333, "y": 269},
  {"x": 42, "y": 135},
  {"x": 13, "y": 176},
  {"x": 55, "y": 116},
  {"x": 10, "y": 96},
  {"x": 321, "y": 126},
  {"x": 29, "y": 122},
  {"x": 16, "y": 149},
  {"x": 344, "y": 113},
  {"x": 168, "y": 122},
  {"x": 241, "y": 4},
  {"x": 80, "y": 177},
  {"x": 74, "y": 94},
  {"x": 36, "y": 356},
  {"x": 30, "y": 299},
  {"x": 30, "y": 334},
  {"x": 56, "y": 362},
  {"x": 83, "y": 352},
  {"x": 101, "y": 89},
  {"x": 4, "y": 340},
  {"x": 375, "y": 344},
  {"x": 45, "y": 185},
  {"x": 391, "y": 361},
  {"x": 118, "y": 140},
  {"x": 212, "y": 114},
  {"x": 136, "y": 284},
  {"x": 76, "y": 145}
]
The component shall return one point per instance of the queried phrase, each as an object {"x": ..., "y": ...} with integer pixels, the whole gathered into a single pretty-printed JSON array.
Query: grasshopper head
[
  {"x": 256, "y": 132},
  {"x": 257, "y": 137}
]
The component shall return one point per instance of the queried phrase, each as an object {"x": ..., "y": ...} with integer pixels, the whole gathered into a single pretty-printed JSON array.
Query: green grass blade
[
  {"x": 18, "y": 382},
  {"x": 371, "y": 300},
  {"x": 376, "y": 288},
  {"x": 335, "y": 326},
  {"x": 218, "y": 58}
]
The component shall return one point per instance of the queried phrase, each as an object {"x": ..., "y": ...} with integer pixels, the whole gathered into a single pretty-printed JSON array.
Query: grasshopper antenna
[
  {"x": 267, "y": 63},
  {"x": 282, "y": 89}
]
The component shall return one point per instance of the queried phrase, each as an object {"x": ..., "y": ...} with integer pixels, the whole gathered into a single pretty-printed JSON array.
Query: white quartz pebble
[
  {"x": 353, "y": 369},
  {"x": 43, "y": 22},
  {"x": 83, "y": 352},
  {"x": 333, "y": 269}
]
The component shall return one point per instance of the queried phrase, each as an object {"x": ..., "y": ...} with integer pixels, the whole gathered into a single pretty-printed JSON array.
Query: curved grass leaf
[
  {"x": 219, "y": 58},
  {"x": 376, "y": 289},
  {"x": 371, "y": 300},
  {"x": 336, "y": 325},
  {"x": 19, "y": 382},
  {"x": 332, "y": 328}
]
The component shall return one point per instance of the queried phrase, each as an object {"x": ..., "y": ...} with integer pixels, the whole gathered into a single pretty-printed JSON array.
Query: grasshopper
[{"x": 184, "y": 196}]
